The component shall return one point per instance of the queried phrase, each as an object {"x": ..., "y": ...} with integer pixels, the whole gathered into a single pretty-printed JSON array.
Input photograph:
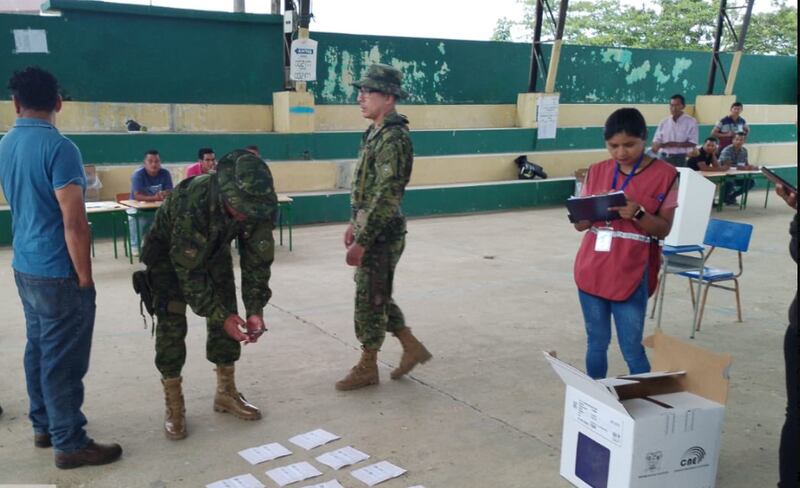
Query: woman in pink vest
[{"x": 617, "y": 264}]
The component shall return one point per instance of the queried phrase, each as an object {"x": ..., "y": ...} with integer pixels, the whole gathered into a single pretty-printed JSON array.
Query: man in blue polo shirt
[
  {"x": 41, "y": 173},
  {"x": 150, "y": 183}
]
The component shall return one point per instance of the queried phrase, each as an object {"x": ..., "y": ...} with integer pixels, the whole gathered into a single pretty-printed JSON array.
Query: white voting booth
[{"x": 695, "y": 199}]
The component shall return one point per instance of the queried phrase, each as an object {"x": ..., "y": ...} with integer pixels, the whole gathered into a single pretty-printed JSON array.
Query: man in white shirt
[{"x": 676, "y": 135}]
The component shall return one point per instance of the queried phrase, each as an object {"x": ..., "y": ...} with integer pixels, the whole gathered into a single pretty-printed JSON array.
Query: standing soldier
[
  {"x": 188, "y": 256},
  {"x": 375, "y": 237}
]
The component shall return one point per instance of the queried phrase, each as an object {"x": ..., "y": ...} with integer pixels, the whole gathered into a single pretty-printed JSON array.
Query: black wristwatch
[{"x": 639, "y": 214}]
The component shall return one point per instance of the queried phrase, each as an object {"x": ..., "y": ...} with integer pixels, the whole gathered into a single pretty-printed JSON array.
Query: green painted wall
[
  {"x": 121, "y": 53},
  {"x": 125, "y": 53},
  {"x": 439, "y": 71},
  {"x": 126, "y": 148}
]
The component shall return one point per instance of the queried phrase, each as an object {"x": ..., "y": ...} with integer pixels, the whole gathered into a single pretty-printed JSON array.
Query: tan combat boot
[
  {"x": 414, "y": 353},
  {"x": 175, "y": 414},
  {"x": 363, "y": 374},
  {"x": 228, "y": 399}
]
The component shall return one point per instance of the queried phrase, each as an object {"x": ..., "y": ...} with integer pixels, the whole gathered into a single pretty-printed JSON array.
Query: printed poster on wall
[
  {"x": 547, "y": 116},
  {"x": 303, "y": 60}
]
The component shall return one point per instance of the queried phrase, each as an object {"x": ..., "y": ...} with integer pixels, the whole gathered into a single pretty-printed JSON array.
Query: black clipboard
[
  {"x": 595, "y": 207},
  {"x": 774, "y": 178}
]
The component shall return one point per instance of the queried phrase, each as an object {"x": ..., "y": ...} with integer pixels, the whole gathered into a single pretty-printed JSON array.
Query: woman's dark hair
[
  {"x": 627, "y": 120},
  {"x": 35, "y": 89}
]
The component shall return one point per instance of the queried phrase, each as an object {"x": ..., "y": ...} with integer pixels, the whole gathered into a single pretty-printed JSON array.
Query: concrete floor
[{"x": 486, "y": 293}]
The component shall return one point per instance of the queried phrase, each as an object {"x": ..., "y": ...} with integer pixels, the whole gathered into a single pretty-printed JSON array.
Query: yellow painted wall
[
  {"x": 348, "y": 117},
  {"x": 111, "y": 117},
  {"x": 157, "y": 117},
  {"x": 308, "y": 176},
  {"x": 222, "y": 118}
]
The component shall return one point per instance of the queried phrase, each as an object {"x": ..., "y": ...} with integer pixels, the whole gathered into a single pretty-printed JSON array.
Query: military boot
[
  {"x": 414, "y": 353},
  {"x": 228, "y": 399},
  {"x": 363, "y": 374},
  {"x": 175, "y": 414}
]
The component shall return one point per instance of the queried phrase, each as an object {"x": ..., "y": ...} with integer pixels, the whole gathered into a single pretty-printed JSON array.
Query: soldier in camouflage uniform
[
  {"x": 375, "y": 237},
  {"x": 188, "y": 256}
]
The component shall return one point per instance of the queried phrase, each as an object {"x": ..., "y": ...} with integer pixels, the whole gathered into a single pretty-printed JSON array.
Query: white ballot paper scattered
[
  {"x": 342, "y": 457},
  {"x": 267, "y": 452},
  {"x": 377, "y": 473},
  {"x": 327, "y": 484},
  {"x": 293, "y": 473},
  {"x": 313, "y": 439},
  {"x": 241, "y": 481}
]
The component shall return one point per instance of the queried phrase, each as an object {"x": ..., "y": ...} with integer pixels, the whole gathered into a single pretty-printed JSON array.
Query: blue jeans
[
  {"x": 145, "y": 220},
  {"x": 629, "y": 319},
  {"x": 734, "y": 189},
  {"x": 60, "y": 320}
]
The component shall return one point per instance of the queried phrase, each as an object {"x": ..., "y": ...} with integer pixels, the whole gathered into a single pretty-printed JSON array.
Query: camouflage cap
[
  {"x": 383, "y": 78},
  {"x": 246, "y": 184}
]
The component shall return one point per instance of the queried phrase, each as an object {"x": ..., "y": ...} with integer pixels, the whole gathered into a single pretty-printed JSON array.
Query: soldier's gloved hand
[
  {"x": 348, "y": 236},
  {"x": 255, "y": 327},
  {"x": 233, "y": 327},
  {"x": 354, "y": 255}
]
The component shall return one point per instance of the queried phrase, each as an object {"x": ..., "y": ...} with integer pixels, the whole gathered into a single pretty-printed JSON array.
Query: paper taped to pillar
[
  {"x": 303, "y": 60},
  {"x": 546, "y": 116}
]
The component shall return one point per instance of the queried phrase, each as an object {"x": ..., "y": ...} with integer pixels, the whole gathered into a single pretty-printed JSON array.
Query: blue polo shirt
[
  {"x": 35, "y": 161},
  {"x": 142, "y": 182}
]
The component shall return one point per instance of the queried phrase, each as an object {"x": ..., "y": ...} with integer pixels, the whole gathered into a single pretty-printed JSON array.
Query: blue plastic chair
[{"x": 726, "y": 235}]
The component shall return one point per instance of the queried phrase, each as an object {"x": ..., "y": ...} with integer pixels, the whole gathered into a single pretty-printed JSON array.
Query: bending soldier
[
  {"x": 188, "y": 256},
  {"x": 375, "y": 237}
]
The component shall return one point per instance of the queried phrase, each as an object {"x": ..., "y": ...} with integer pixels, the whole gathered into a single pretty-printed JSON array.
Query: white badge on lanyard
[{"x": 602, "y": 242}]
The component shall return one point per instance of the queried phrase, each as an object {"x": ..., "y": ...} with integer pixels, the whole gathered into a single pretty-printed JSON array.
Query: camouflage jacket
[
  {"x": 193, "y": 231},
  {"x": 380, "y": 177}
]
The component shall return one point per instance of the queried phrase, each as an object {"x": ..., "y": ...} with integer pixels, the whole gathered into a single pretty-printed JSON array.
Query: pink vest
[{"x": 615, "y": 275}]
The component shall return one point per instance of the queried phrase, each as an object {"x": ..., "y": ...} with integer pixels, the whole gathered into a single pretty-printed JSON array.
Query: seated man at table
[
  {"x": 704, "y": 158},
  {"x": 206, "y": 161},
  {"x": 735, "y": 157},
  {"x": 150, "y": 183}
]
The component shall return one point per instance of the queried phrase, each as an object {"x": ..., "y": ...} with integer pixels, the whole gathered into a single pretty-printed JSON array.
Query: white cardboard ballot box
[
  {"x": 659, "y": 429},
  {"x": 695, "y": 199}
]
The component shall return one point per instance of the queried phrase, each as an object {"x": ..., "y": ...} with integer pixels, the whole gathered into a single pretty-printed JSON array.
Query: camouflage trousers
[
  {"x": 375, "y": 310},
  {"x": 171, "y": 318}
]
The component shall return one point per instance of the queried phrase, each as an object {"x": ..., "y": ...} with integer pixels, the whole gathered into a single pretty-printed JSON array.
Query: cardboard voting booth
[
  {"x": 659, "y": 429},
  {"x": 695, "y": 199}
]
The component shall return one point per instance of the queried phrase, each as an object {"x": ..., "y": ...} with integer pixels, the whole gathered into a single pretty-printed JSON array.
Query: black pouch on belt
[{"x": 141, "y": 285}]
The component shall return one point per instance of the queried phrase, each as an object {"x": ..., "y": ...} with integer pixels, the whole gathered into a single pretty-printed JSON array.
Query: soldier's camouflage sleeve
[
  {"x": 189, "y": 253},
  {"x": 386, "y": 194},
  {"x": 257, "y": 249}
]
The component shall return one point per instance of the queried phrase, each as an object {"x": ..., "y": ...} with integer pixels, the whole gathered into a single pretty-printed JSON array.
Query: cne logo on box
[{"x": 693, "y": 456}]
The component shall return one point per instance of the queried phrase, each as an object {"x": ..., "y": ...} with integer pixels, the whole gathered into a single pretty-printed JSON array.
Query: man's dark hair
[
  {"x": 154, "y": 152},
  {"x": 252, "y": 147},
  {"x": 678, "y": 96},
  {"x": 743, "y": 134},
  {"x": 35, "y": 89},
  {"x": 712, "y": 139},
  {"x": 737, "y": 104},
  {"x": 203, "y": 151},
  {"x": 627, "y": 120}
]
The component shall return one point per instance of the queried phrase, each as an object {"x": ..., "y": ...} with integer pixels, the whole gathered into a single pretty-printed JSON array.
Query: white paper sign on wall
[{"x": 303, "y": 65}]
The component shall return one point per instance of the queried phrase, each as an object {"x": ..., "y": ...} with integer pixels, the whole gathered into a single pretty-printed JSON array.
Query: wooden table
[
  {"x": 148, "y": 207},
  {"x": 719, "y": 178},
  {"x": 110, "y": 208},
  {"x": 285, "y": 206}
]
